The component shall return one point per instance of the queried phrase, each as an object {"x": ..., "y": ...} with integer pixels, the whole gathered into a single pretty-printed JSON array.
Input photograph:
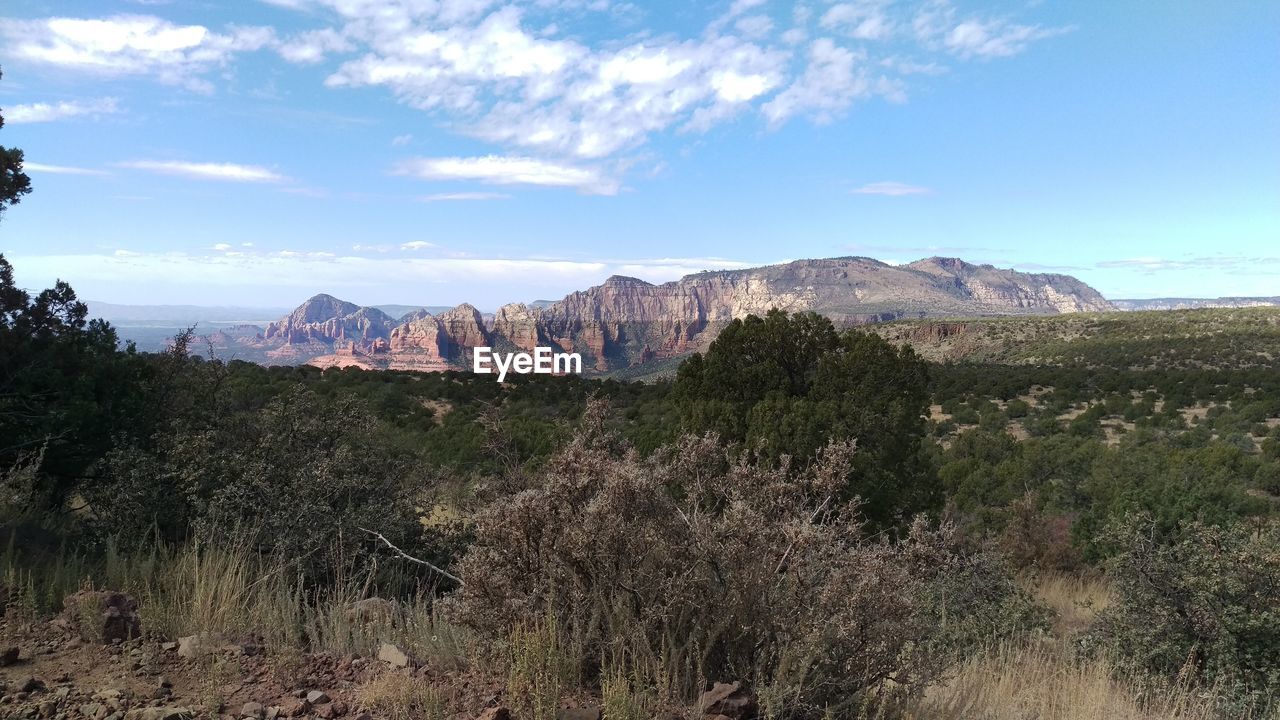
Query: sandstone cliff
[{"x": 626, "y": 321}]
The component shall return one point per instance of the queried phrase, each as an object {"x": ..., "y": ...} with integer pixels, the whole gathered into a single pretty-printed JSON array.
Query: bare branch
[{"x": 411, "y": 558}]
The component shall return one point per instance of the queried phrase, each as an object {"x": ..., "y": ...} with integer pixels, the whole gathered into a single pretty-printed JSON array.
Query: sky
[{"x": 432, "y": 152}]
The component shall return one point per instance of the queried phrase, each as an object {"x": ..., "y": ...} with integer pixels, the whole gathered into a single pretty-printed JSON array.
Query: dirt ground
[{"x": 58, "y": 676}]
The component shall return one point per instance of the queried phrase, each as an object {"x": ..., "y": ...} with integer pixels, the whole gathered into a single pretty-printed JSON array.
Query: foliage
[
  {"x": 1201, "y": 610},
  {"x": 14, "y": 183},
  {"x": 692, "y": 564},
  {"x": 785, "y": 386},
  {"x": 64, "y": 387},
  {"x": 298, "y": 479}
]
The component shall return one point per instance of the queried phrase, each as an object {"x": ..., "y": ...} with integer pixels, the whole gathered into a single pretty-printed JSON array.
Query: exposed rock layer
[{"x": 627, "y": 321}]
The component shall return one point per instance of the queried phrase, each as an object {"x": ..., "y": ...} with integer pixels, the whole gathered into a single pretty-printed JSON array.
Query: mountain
[
  {"x": 626, "y": 322},
  {"x": 1193, "y": 303}
]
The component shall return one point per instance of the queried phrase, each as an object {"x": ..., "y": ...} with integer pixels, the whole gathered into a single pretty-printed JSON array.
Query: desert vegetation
[
  {"x": 837, "y": 526},
  {"x": 804, "y": 522}
]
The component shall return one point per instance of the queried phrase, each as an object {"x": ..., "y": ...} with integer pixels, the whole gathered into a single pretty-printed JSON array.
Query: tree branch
[{"x": 411, "y": 558}]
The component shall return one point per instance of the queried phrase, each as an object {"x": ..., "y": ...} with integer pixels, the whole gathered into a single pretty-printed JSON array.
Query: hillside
[{"x": 1188, "y": 339}]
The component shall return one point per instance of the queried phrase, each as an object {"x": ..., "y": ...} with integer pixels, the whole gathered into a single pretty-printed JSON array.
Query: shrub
[
  {"x": 295, "y": 480},
  {"x": 695, "y": 564},
  {"x": 1202, "y": 610}
]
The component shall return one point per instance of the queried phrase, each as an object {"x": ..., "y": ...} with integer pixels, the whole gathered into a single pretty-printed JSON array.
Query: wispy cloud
[
  {"x": 417, "y": 245},
  {"x": 500, "y": 170},
  {"x": 229, "y": 172},
  {"x": 937, "y": 25},
  {"x": 49, "y": 112},
  {"x": 60, "y": 169},
  {"x": 1229, "y": 263},
  {"x": 890, "y": 188}
]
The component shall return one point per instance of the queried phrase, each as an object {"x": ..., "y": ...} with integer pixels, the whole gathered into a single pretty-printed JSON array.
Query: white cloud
[
  {"x": 463, "y": 196},
  {"x": 514, "y": 73},
  {"x": 558, "y": 96},
  {"x": 311, "y": 47},
  {"x": 48, "y": 112},
  {"x": 754, "y": 27},
  {"x": 221, "y": 247},
  {"x": 890, "y": 188},
  {"x": 499, "y": 170},
  {"x": 936, "y": 25},
  {"x": 417, "y": 245},
  {"x": 832, "y": 80},
  {"x": 60, "y": 169},
  {"x": 995, "y": 38},
  {"x": 401, "y": 140},
  {"x": 208, "y": 171},
  {"x": 862, "y": 20},
  {"x": 130, "y": 45}
]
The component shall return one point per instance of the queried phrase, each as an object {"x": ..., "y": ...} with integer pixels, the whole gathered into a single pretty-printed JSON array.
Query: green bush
[{"x": 1203, "y": 610}]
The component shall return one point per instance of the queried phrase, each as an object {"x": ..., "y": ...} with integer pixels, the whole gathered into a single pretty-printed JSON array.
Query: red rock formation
[{"x": 627, "y": 321}]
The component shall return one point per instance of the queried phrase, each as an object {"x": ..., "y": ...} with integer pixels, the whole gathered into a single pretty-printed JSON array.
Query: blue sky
[{"x": 438, "y": 151}]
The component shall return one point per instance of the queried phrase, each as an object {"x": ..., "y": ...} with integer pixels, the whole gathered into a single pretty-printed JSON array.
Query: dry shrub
[
  {"x": 692, "y": 565},
  {"x": 1035, "y": 539}
]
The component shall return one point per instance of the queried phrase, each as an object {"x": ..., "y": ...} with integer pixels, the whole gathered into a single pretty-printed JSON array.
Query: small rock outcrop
[
  {"x": 103, "y": 615},
  {"x": 393, "y": 655}
]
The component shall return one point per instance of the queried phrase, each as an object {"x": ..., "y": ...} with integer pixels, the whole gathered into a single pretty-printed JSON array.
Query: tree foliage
[
  {"x": 14, "y": 183},
  {"x": 64, "y": 386},
  {"x": 786, "y": 385}
]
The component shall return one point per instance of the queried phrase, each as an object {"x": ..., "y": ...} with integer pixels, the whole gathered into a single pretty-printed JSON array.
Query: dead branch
[{"x": 411, "y": 558}]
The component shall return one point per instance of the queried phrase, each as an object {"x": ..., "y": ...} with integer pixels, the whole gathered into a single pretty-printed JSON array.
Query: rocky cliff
[{"x": 627, "y": 321}]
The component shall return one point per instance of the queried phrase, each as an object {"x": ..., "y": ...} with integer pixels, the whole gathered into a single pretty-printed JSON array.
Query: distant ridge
[
  {"x": 626, "y": 322},
  {"x": 1193, "y": 303}
]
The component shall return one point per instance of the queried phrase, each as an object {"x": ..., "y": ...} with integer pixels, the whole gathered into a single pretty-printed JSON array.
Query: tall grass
[
  {"x": 1048, "y": 682},
  {"x": 233, "y": 592},
  {"x": 540, "y": 669},
  {"x": 1074, "y": 599},
  {"x": 1048, "y": 679}
]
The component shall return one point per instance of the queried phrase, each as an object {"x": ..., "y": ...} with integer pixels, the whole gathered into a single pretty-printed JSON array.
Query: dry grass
[
  {"x": 1045, "y": 682},
  {"x": 398, "y": 695},
  {"x": 1049, "y": 680},
  {"x": 540, "y": 669},
  {"x": 195, "y": 589},
  {"x": 1074, "y": 599}
]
